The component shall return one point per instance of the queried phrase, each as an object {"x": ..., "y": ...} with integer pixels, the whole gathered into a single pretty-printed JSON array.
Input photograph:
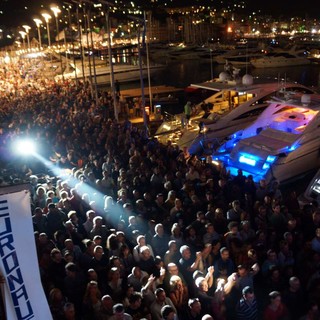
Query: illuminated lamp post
[
  {"x": 56, "y": 10},
  {"x": 27, "y": 28},
  {"x": 47, "y": 17},
  {"x": 23, "y": 36},
  {"x": 38, "y": 23}
]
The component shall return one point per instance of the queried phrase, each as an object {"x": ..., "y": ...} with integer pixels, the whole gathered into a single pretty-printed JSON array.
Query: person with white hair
[
  {"x": 207, "y": 317},
  {"x": 206, "y": 299},
  {"x": 147, "y": 262},
  {"x": 160, "y": 240},
  {"x": 141, "y": 242},
  {"x": 99, "y": 229},
  {"x": 88, "y": 224}
]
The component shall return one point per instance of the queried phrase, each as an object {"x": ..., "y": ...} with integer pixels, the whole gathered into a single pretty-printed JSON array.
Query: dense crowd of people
[{"x": 128, "y": 228}]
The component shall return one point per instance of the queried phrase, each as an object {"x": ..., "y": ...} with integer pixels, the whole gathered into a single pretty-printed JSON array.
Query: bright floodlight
[{"x": 24, "y": 147}]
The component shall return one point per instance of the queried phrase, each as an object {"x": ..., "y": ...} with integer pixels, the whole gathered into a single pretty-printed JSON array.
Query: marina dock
[{"x": 155, "y": 91}]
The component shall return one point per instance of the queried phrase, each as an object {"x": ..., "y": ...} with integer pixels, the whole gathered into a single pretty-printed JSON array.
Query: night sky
[
  {"x": 287, "y": 8},
  {"x": 15, "y": 14}
]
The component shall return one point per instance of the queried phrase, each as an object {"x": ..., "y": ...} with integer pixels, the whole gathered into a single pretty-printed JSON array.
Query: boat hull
[
  {"x": 125, "y": 73},
  {"x": 285, "y": 171},
  {"x": 272, "y": 63}
]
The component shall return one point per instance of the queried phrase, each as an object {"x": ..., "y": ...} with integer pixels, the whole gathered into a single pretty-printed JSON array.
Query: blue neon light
[
  {"x": 246, "y": 160},
  {"x": 293, "y": 147},
  {"x": 222, "y": 149},
  {"x": 266, "y": 166},
  {"x": 271, "y": 159}
]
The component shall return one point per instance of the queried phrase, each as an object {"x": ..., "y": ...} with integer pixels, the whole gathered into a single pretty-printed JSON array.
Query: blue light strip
[
  {"x": 246, "y": 160},
  {"x": 270, "y": 159}
]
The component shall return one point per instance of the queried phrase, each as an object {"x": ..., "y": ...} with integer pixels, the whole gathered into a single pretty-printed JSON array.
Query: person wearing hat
[
  {"x": 246, "y": 275},
  {"x": 247, "y": 306}
]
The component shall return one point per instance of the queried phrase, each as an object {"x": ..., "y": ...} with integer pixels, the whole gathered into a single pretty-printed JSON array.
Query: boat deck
[{"x": 156, "y": 90}]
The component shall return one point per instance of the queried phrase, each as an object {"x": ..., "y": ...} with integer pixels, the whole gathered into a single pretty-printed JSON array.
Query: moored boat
[
  {"x": 283, "y": 58},
  {"x": 281, "y": 144},
  {"x": 122, "y": 72}
]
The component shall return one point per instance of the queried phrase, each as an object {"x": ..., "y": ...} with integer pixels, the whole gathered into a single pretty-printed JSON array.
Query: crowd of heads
[{"x": 128, "y": 228}]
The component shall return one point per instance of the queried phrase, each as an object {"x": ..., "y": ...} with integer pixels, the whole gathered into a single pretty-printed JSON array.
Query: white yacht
[
  {"x": 187, "y": 53},
  {"x": 283, "y": 58},
  {"x": 244, "y": 59},
  {"x": 122, "y": 72},
  {"x": 235, "y": 106},
  {"x": 282, "y": 143},
  {"x": 240, "y": 55}
]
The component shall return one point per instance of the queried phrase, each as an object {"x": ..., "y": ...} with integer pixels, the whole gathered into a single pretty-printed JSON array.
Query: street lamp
[
  {"x": 23, "y": 35},
  {"x": 27, "y": 28},
  {"x": 56, "y": 10},
  {"x": 38, "y": 23},
  {"x": 47, "y": 17},
  {"x": 211, "y": 66}
]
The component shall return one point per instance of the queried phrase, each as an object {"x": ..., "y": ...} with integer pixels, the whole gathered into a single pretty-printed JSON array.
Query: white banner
[{"x": 24, "y": 296}]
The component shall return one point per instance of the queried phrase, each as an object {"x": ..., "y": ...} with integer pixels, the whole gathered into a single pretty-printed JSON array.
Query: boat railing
[
  {"x": 168, "y": 116},
  {"x": 209, "y": 144}
]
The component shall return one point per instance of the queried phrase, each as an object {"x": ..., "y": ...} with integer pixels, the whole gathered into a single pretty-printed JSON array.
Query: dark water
[{"x": 183, "y": 73}]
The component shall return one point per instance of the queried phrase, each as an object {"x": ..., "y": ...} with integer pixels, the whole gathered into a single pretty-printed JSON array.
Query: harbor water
[
  {"x": 182, "y": 73},
  {"x": 185, "y": 72}
]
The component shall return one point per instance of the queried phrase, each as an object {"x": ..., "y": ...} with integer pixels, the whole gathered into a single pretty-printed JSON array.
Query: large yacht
[
  {"x": 235, "y": 106},
  {"x": 282, "y": 143},
  {"x": 283, "y": 58},
  {"x": 122, "y": 72}
]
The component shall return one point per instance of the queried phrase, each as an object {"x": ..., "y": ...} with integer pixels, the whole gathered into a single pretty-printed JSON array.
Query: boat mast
[
  {"x": 141, "y": 24},
  {"x": 108, "y": 26},
  {"x": 88, "y": 15},
  {"x": 143, "y": 99},
  {"x": 148, "y": 64}
]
